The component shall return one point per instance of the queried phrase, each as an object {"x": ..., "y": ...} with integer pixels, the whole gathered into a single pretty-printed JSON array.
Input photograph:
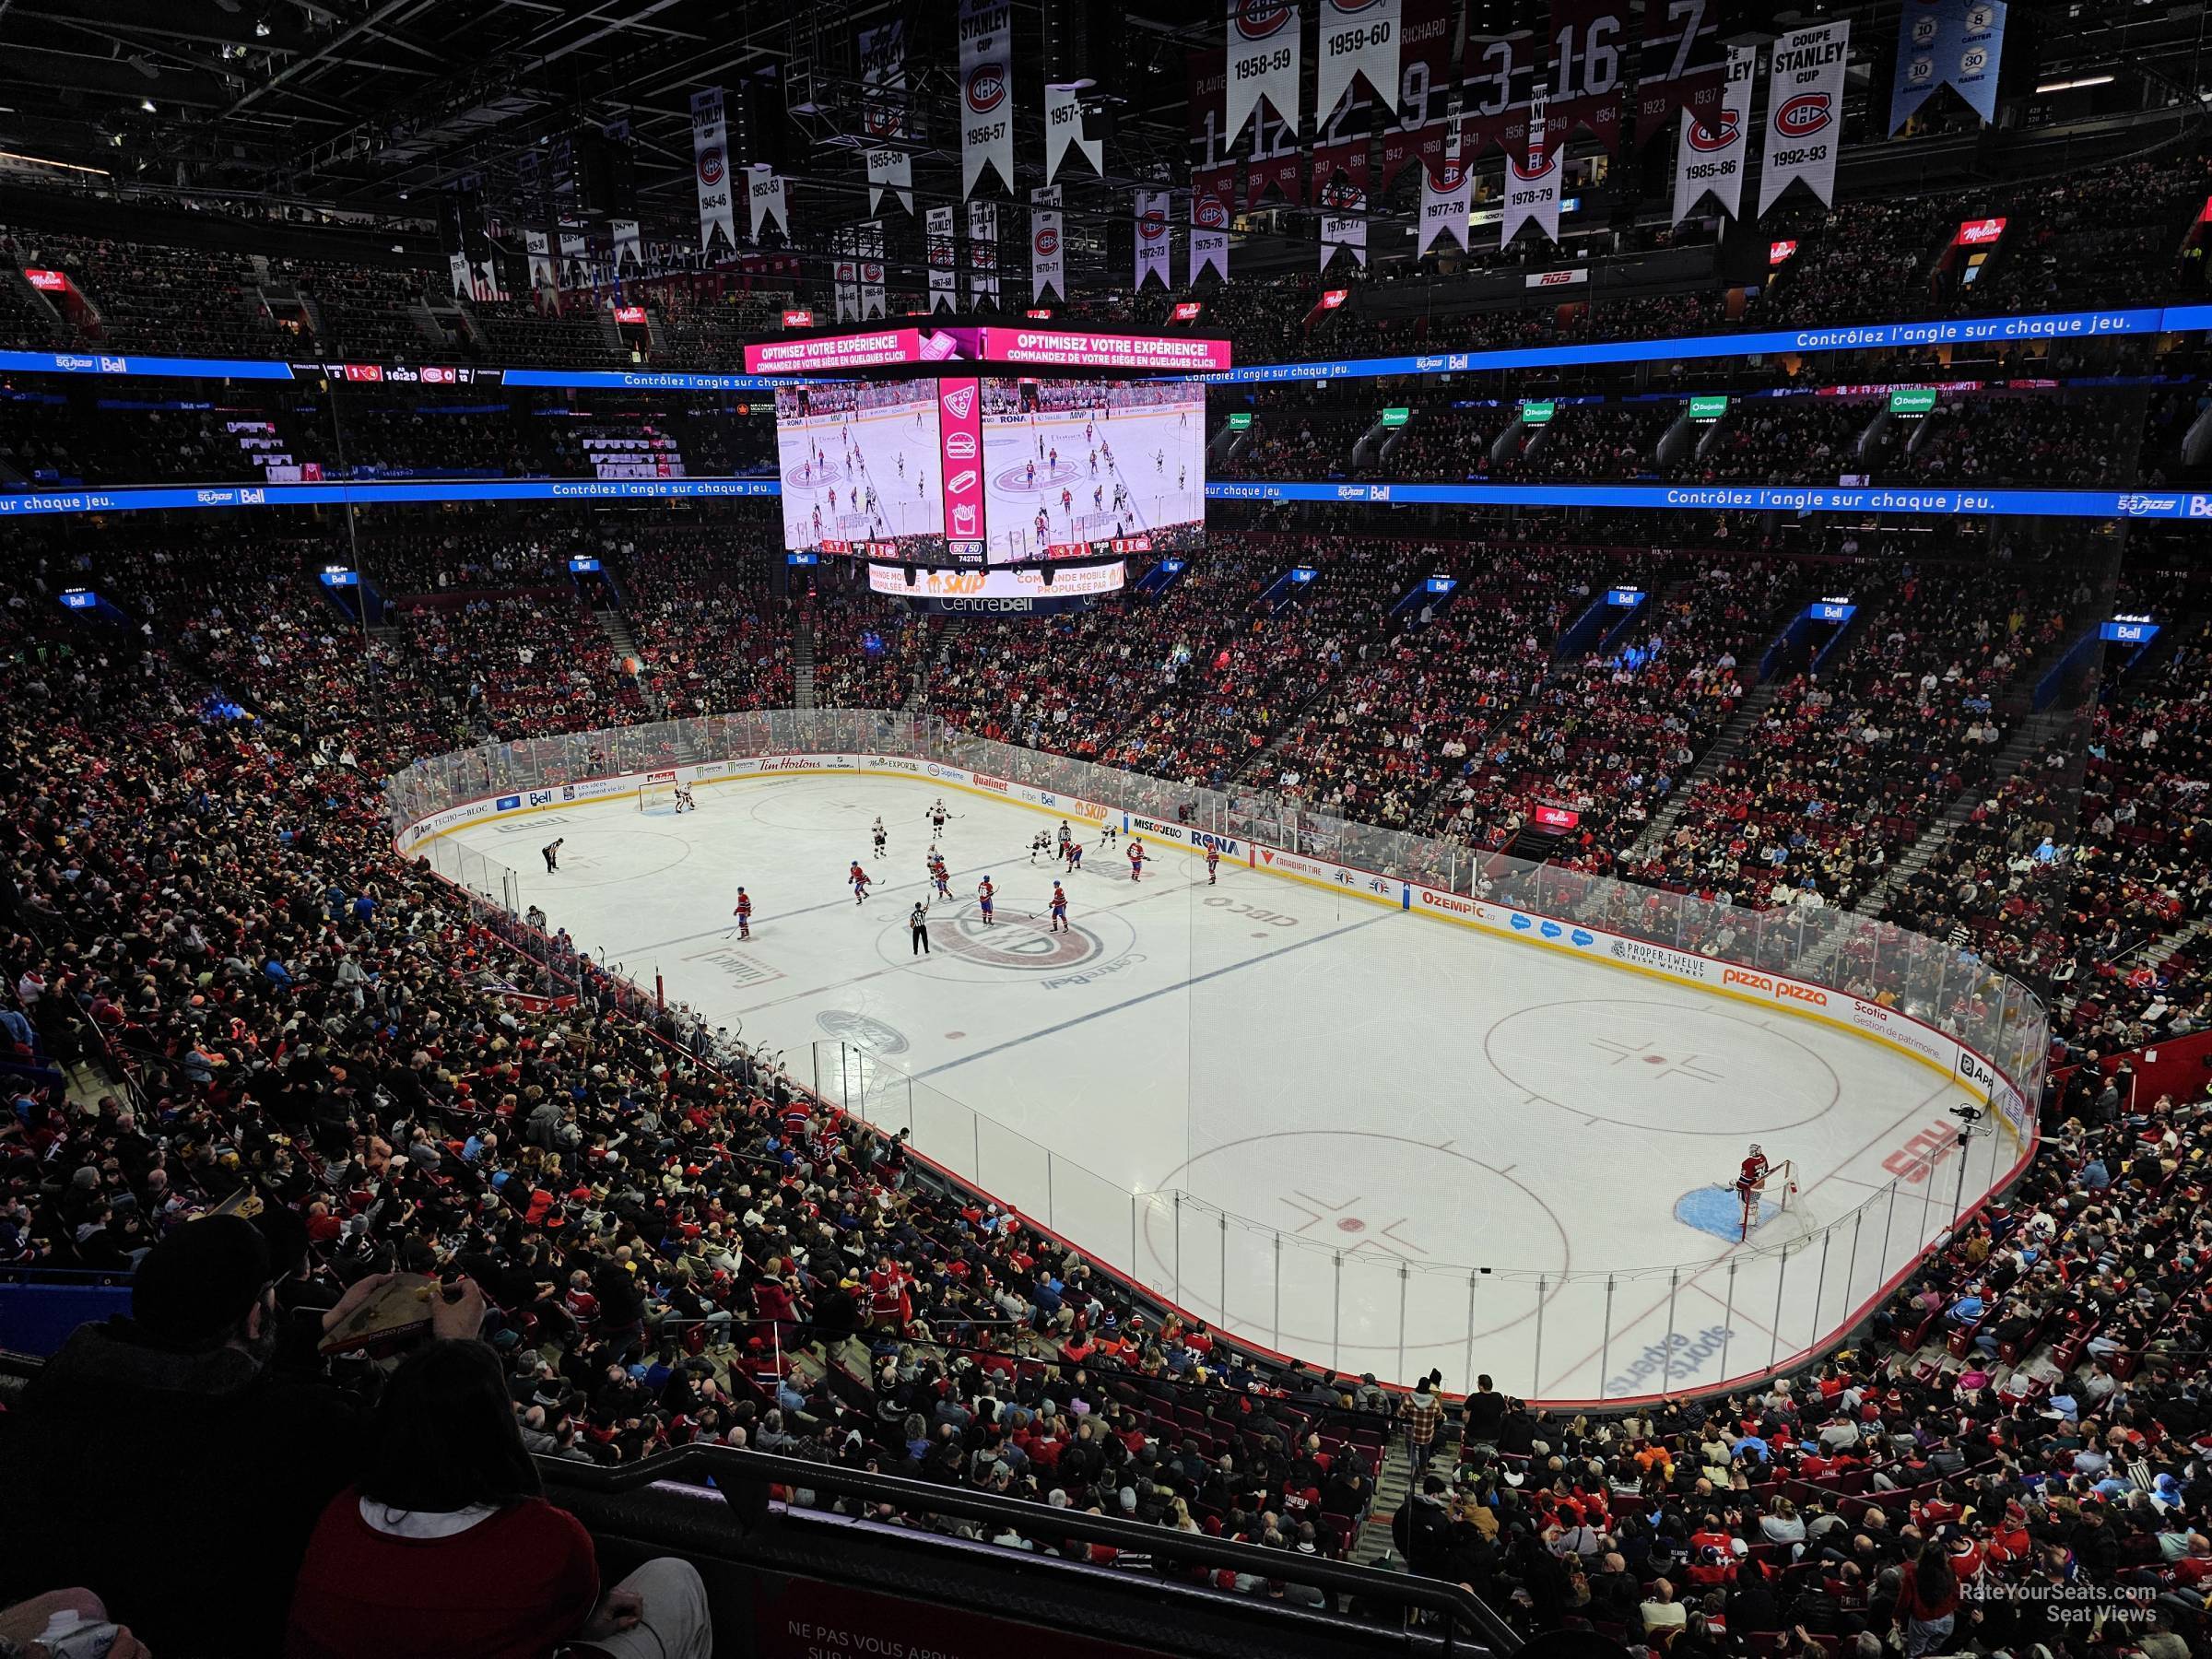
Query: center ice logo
[{"x": 1017, "y": 943}]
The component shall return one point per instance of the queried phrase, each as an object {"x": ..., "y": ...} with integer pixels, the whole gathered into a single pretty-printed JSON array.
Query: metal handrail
[{"x": 727, "y": 1465}]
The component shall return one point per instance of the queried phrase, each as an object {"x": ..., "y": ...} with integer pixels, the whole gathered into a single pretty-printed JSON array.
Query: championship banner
[
  {"x": 1064, "y": 127},
  {"x": 1587, "y": 41},
  {"x": 1152, "y": 242},
  {"x": 844, "y": 275},
  {"x": 883, "y": 112},
  {"x": 942, "y": 255},
  {"x": 1500, "y": 82},
  {"x": 1445, "y": 193},
  {"x": 986, "y": 95},
  {"x": 982, "y": 253},
  {"x": 1343, "y": 218},
  {"x": 1209, "y": 75},
  {"x": 629, "y": 248},
  {"x": 1359, "y": 39},
  {"x": 711, "y": 162},
  {"x": 1804, "y": 111},
  {"x": 1210, "y": 223},
  {"x": 1426, "y": 30},
  {"x": 871, "y": 268},
  {"x": 538, "y": 249},
  {"x": 1532, "y": 183},
  {"x": 1264, "y": 56},
  {"x": 1048, "y": 256},
  {"x": 575, "y": 267},
  {"x": 765, "y": 191},
  {"x": 1710, "y": 156},
  {"x": 1684, "y": 66},
  {"x": 1958, "y": 43}
]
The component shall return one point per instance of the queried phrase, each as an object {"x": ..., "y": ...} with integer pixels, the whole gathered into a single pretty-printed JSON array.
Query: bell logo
[
  {"x": 1803, "y": 115},
  {"x": 1256, "y": 19},
  {"x": 958, "y": 403},
  {"x": 986, "y": 88}
]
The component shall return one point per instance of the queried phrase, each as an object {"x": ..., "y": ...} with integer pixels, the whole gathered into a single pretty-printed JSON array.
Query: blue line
[{"x": 1164, "y": 991}]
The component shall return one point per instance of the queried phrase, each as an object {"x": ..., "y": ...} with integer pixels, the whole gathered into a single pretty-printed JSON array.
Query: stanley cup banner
[
  {"x": 1445, "y": 193},
  {"x": 982, "y": 253},
  {"x": 711, "y": 162},
  {"x": 883, "y": 112},
  {"x": 628, "y": 249},
  {"x": 871, "y": 268},
  {"x": 844, "y": 275},
  {"x": 942, "y": 255},
  {"x": 1063, "y": 129},
  {"x": 1358, "y": 38},
  {"x": 1344, "y": 217},
  {"x": 766, "y": 193},
  {"x": 1151, "y": 238},
  {"x": 1209, "y": 222},
  {"x": 1684, "y": 65},
  {"x": 539, "y": 249},
  {"x": 1958, "y": 43},
  {"x": 1804, "y": 111},
  {"x": 1531, "y": 182},
  {"x": 1047, "y": 256},
  {"x": 1710, "y": 156},
  {"x": 1264, "y": 56},
  {"x": 1588, "y": 40},
  {"x": 986, "y": 94}
]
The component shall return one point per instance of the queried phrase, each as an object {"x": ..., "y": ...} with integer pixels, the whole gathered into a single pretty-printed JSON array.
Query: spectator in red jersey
[{"x": 446, "y": 1544}]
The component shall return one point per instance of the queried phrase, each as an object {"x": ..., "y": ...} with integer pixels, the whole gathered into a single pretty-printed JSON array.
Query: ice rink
[
  {"x": 860, "y": 477},
  {"x": 1137, "y": 471},
  {"x": 1371, "y": 1139}
]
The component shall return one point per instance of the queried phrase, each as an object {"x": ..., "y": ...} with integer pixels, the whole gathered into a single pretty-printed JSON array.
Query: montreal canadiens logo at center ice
[
  {"x": 986, "y": 88},
  {"x": 1256, "y": 19}
]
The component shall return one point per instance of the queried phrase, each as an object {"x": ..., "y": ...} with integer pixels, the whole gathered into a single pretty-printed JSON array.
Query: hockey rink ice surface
[
  {"x": 1152, "y": 460},
  {"x": 1367, "y": 1138}
]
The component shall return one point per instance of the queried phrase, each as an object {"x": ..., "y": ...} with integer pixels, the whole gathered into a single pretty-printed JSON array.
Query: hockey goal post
[
  {"x": 1771, "y": 1199},
  {"x": 658, "y": 794}
]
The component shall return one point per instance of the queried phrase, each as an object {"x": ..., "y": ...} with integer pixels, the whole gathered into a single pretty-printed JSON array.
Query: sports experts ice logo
[{"x": 958, "y": 403}]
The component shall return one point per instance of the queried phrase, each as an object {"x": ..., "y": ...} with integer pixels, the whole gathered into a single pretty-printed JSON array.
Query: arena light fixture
[{"x": 2077, "y": 85}]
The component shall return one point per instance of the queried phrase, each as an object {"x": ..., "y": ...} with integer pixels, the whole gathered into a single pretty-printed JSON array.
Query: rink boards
[{"x": 1968, "y": 1068}]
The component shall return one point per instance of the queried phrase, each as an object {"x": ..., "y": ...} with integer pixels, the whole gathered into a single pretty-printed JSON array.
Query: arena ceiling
[{"x": 366, "y": 106}]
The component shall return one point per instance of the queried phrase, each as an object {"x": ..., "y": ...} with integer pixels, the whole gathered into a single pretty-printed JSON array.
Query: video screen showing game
[
  {"x": 859, "y": 469},
  {"x": 1068, "y": 465}
]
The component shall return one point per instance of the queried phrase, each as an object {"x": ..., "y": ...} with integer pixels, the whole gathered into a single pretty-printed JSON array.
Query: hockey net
[
  {"x": 656, "y": 798},
  {"x": 1773, "y": 1200}
]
